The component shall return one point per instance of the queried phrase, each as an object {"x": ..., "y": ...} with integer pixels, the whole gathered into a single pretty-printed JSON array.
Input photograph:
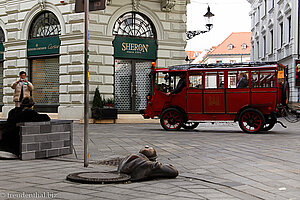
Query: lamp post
[{"x": 209, "y": 25}]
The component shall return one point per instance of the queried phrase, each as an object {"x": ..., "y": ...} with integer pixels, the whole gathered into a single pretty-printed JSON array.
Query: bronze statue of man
[{"x": 144, "y": 166}]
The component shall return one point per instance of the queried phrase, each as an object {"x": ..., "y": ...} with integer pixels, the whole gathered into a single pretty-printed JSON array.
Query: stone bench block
[{"x": 46, "y": 139}]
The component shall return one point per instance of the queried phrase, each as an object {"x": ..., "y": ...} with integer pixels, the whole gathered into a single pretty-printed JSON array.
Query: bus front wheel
[
  {"x": 251, "y": 120},
  {"x": 171, "y": 119}
]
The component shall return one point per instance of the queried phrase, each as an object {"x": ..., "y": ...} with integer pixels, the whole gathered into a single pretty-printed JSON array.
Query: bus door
[
  {"x": 237, "y": 94},
  {"x": 214, "y": 97},
  {"x": 195, "y": 93}
]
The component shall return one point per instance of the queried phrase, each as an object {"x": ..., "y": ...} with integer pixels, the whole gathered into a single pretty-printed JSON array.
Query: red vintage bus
[{"x": 253, "y": 94}]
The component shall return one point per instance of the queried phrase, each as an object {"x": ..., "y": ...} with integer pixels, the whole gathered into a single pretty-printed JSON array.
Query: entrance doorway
[{"x": 132, "y": 84}]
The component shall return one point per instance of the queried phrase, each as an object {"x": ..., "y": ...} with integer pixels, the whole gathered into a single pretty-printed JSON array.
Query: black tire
[
  {"x": 171, "y": 119},
  {"x": 285, "y": 93},
  {"x": 190, "y": 125},
  {"x": 251, "y": 120},
  {"x": 269, "y": 124}
]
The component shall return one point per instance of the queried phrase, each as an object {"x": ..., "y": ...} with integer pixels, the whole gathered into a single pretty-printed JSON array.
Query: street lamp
[{"x": 209, "y": 25}]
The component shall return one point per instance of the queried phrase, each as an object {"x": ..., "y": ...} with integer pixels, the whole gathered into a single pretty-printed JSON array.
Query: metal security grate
[
  {"x": 123, "y": 85},
  {"x": 1, "y": 83},
  {"x": 143, "y": 81},
  {"x": 45, "y": 78}
]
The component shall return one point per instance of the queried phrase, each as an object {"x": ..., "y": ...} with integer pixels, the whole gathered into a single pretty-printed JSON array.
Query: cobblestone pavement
[{"x": 215, "y": 162}]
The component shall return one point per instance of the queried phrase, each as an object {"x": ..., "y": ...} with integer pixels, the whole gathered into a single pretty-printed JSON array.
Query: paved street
[{"x": 215, "y": 162}]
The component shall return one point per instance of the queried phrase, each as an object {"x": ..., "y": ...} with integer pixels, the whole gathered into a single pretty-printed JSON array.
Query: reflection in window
[{"x": 195, "y": 80}]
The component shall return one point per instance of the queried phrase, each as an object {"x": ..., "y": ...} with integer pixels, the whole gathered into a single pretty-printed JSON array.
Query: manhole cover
[
  {"x": 98, "y": 177},
  {"x": 7, "y": 156}
]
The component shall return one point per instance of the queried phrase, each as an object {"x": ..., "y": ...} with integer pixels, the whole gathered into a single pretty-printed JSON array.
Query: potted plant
[{"x": 103, "y": 108}]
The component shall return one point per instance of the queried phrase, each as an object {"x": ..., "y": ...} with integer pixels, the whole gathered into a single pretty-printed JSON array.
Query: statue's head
[
  {"x": 27, "y": 102},
  {"x": 149, "y": 152}
]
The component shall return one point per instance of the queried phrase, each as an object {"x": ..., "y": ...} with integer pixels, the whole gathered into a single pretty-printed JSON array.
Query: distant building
[
  {"x": 275, "y": 37},
  {"x": 235, "y": 48}
]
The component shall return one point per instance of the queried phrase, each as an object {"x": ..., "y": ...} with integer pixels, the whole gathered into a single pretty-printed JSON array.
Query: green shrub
[{"x": 98, "y": 101}]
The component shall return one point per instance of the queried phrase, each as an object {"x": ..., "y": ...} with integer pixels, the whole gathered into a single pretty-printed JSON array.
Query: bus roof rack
[{"x": 222, "y": 65}]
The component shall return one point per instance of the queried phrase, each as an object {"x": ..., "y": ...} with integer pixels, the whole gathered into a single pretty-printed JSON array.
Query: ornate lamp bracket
[{"x": 191, "y": 34}]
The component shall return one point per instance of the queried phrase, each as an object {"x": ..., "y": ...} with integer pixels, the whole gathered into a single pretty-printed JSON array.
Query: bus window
[
  {"x": 238, "y": 79},
  {"x": 211, "y": 80},
  {"x": 254, "y": 79},
  {"x": 214, "y": 80},
  {"x": 162, "y": 81},
  {"x": 221, "y": 80},
  {"x": 263, "y": 79},
  {"x": 195, "y": 80},
  {"x": 167, "y": 82},
  {"x": 267, "y": 78}
]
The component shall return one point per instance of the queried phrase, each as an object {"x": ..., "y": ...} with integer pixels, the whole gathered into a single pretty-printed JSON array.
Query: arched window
[
  {"x": 44, "y": 25},
  {"x": 2, "y": 35},
  {"x": 134, "y": 24}
]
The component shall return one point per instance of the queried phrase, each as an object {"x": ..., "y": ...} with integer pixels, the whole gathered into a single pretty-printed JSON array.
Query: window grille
[
  {"x": 134, "y": 24},
  {"x": 44, "y": 25}
]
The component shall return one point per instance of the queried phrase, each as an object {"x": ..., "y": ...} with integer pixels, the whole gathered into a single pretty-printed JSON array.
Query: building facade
[
  {"x": 46, "y": 39},
  {"x": 234, "y": 49},
  {"x": 275, "y": 37}
]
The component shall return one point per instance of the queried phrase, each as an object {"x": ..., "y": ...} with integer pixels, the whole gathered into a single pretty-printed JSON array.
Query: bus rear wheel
[
  {"x": 251, "y": 120},
  {"x": 171, "y": 119},
  {"x": 190, "y": 125},
  {"x": 269, "y": 124}
]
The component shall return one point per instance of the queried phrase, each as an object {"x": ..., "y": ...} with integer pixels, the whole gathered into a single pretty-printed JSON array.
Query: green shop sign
[
  {"x": 136, "y": 48},
  {"x": 43, "y": 46},
  {"x": 1, "y": 51}
]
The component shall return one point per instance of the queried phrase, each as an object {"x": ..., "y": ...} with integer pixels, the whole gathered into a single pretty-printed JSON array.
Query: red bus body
[{"x": 220, "y": 103}]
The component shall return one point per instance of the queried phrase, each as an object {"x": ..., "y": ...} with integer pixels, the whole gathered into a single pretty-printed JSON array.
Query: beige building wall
[{"x": 16, "y": 17}]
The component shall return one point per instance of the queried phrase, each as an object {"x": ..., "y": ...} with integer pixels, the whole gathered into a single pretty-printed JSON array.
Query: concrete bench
[{"x": 44, "y": 139}]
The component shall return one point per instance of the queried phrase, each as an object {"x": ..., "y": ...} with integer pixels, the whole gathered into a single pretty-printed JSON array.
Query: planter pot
[{"x": 104, "y": 113}]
